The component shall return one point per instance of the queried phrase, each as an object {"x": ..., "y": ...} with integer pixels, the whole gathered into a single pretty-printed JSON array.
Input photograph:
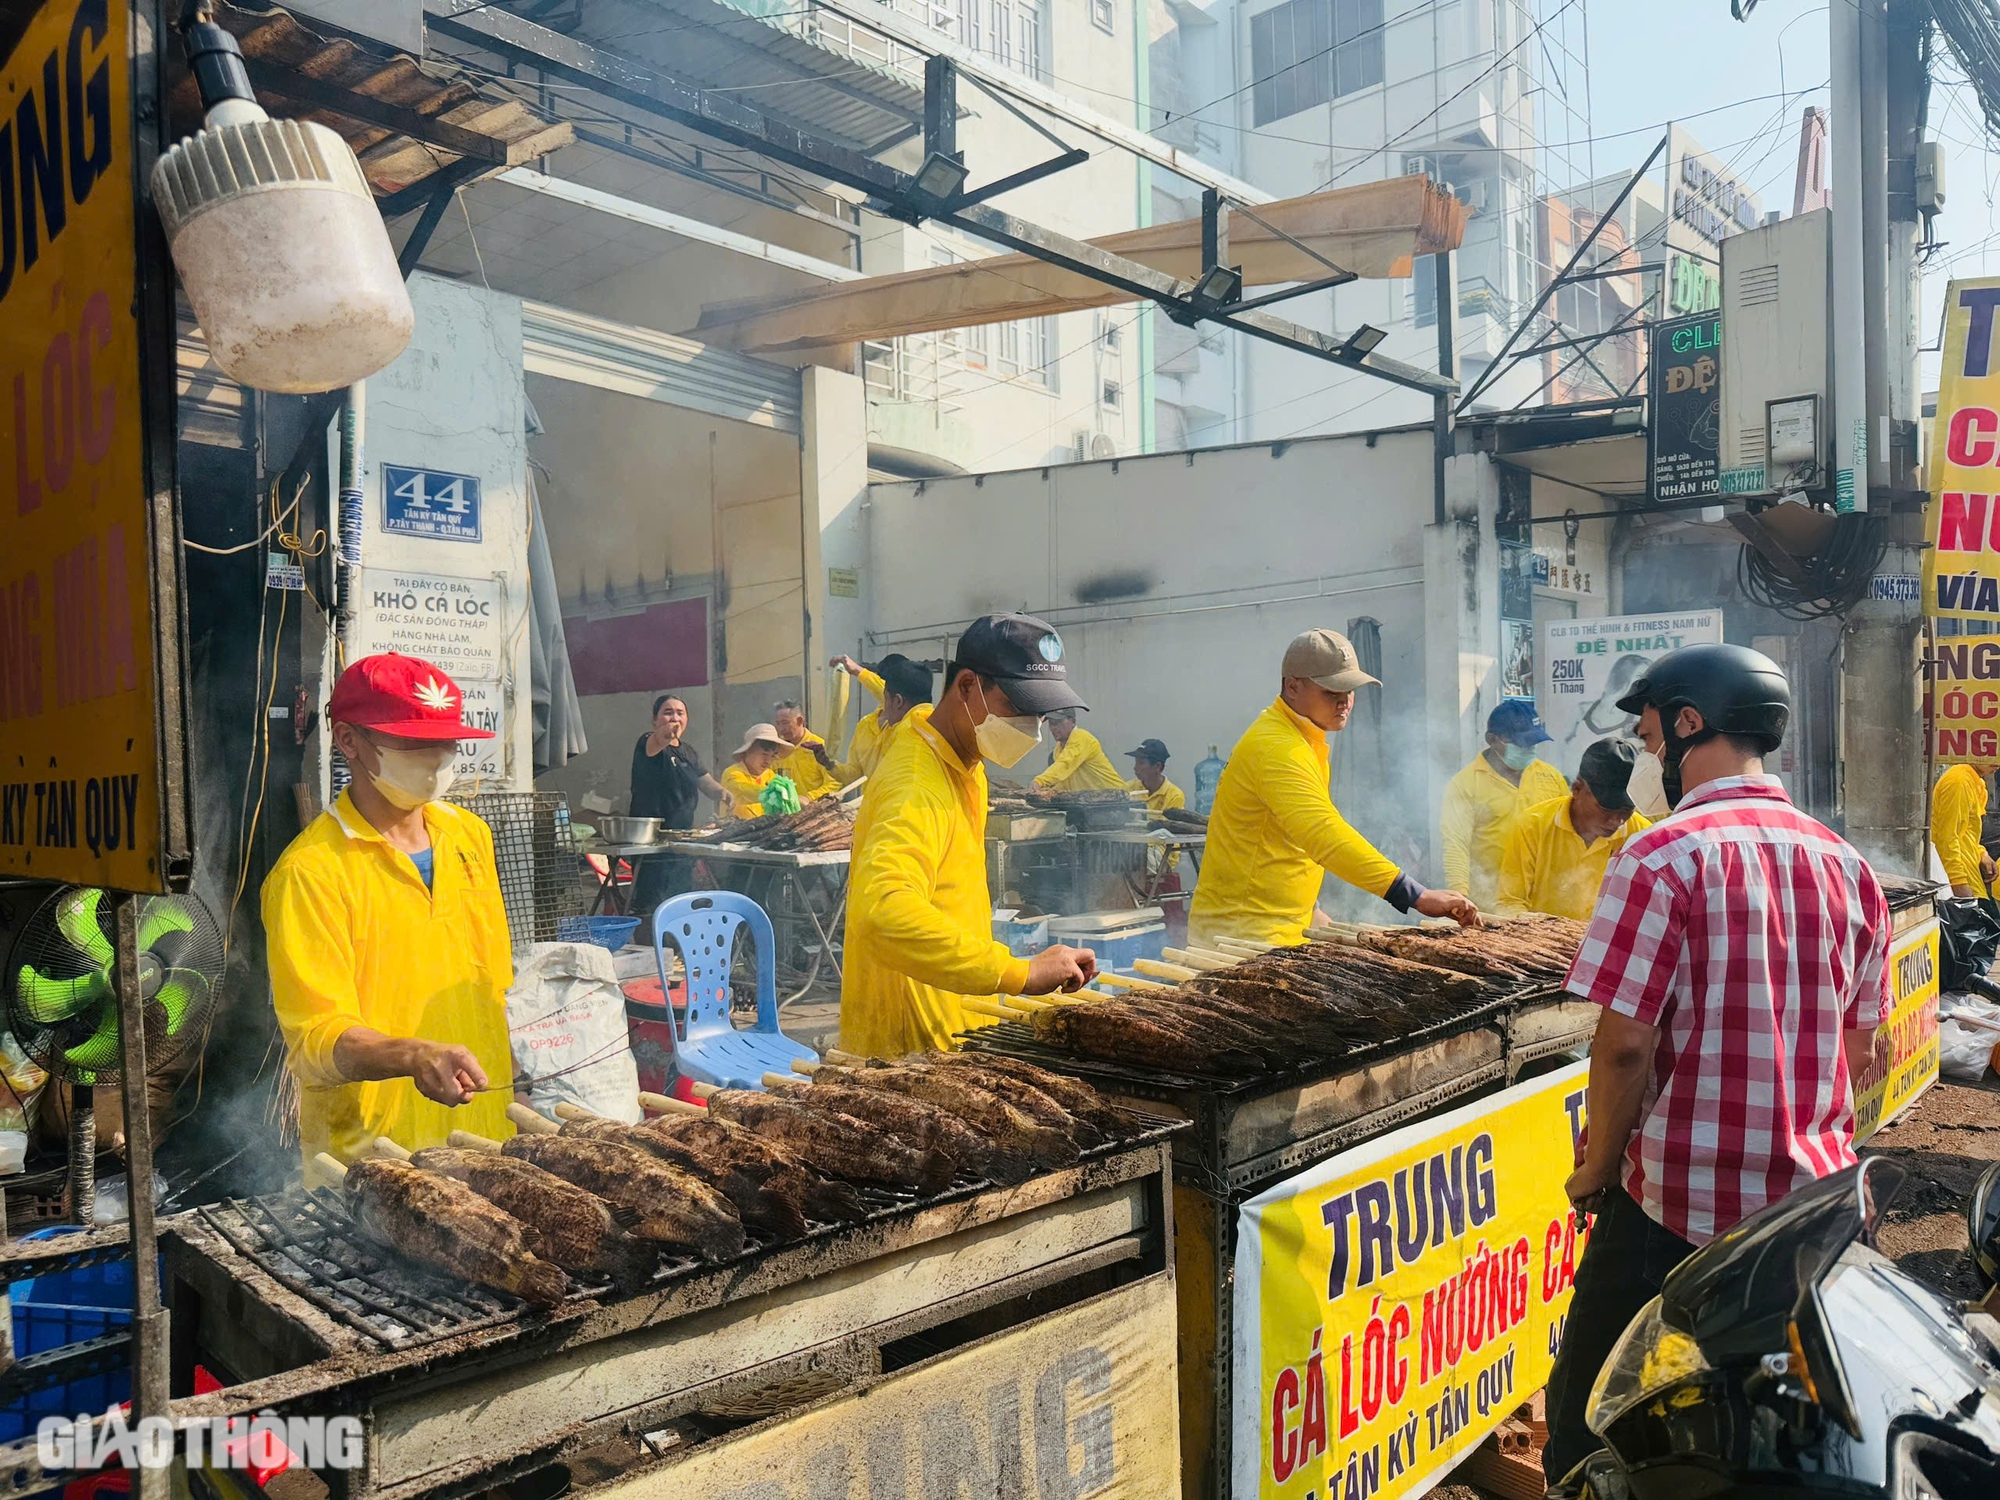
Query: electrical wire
[{"x": 1833, "y": 580}]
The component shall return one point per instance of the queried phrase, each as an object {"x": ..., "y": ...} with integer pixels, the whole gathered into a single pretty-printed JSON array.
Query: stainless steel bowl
[{"x": 614, "y": 830}]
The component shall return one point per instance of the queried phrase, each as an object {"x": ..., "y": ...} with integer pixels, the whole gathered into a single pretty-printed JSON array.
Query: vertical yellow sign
[{"x": 81, "y": 790}]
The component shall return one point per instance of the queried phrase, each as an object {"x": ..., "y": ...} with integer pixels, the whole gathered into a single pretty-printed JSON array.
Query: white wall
[
  {"x": 453, "y": 402},
  {"x": 1217, "y": 557}
]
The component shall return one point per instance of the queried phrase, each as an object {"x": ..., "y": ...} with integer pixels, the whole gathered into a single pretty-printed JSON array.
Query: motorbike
[{"x": 1789, "y": 1357}]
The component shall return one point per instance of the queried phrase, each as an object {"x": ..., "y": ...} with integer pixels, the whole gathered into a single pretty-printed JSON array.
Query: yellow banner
[
  {"x": 80, "y": 786},
  {"x": 1962, "y": 563},
  {"x": 1400, "y": 1300},
  {"x": 1906, "y": 1049},
  {"x": 1080, "y": 1402}
]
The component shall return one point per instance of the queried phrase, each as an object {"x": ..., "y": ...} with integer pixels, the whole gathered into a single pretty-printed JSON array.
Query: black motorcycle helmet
[
  {"x": 1982, "y": 1224},
  {"x": 1734, "y": 689}
]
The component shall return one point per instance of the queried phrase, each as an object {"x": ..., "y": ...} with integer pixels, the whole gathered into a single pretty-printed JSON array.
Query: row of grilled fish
[
  {"x": 1318, "y": 1001},
  {"x": 1537, "y": 949},
  {"x": 604, "y": 1199}
]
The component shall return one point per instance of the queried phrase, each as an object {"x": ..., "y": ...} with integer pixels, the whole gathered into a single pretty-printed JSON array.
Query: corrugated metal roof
[
  {"x": 301, "y": 74},
  {"x": 776, "y": 65}
]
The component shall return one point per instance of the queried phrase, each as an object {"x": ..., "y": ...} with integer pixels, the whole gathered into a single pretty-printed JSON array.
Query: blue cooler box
[
  {"x": 1117, "y": 938},
  {"x": 1024, "y": 936},
  {"x": 67, "y": 1308}
]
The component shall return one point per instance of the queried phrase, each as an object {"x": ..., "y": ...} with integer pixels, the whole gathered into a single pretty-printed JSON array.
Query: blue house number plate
[{"x": 427, "y": 502}]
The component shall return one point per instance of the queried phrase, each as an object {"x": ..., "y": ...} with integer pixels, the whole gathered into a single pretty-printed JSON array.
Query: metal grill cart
[
  {"x": 1249, "y": 1133},
  {"x": 459, "y": 1388}
]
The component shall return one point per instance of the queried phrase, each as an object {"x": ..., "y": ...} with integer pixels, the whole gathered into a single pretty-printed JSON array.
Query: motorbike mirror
[{"x": 1982, "y": 1225}]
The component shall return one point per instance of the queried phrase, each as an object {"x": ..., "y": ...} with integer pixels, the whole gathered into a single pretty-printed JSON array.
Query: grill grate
[
  {"x": 311, "y": 1245},
  {"x": 541, "y": 873}
]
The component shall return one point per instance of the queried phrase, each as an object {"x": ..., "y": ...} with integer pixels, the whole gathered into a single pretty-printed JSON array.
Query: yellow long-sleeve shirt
[
  {"x": 353, "y": 938},
  {"x": 1548, "y": 868},
  {"x": 1273, "y": 835},
  {"x": 745, "y": 791},
  {"x": 1480, "y": 806},
  {"x": 1080, "y": 766},
  {"x": 919, "y": 918},
  {"x": 808, "y": 775},
  {"x": 1958, "y": 804},
  {"x": 864, "y": 751},
  {"x": 1167, "y": 796}
]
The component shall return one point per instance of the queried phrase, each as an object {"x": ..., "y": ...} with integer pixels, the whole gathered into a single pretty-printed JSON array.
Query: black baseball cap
[
  {"x": 1151, "y": 750},
  {"x": 1024, "y": 656},
  {"x": 1606, "y": 768}
]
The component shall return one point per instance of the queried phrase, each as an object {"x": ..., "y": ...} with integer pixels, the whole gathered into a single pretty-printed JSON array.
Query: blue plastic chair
[{"x": 702, "y": 926}]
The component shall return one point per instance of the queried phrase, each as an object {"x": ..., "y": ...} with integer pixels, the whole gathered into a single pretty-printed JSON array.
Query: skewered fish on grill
[
  {"x": 1001, "y": 1075},
  {"x": 1110, "y": 1032},
  {"x": 988, "y": 1113},
  {"x": 576, "y": 1227},
  {"x": 667, "y": 1206},
  {"x": 912, "y": 1120},
  {"x": 759, "y": 1208},
  {"x": 836, "y": 1144},
  {"x": 729, "y": 1148},
  {"x": 446, "y": 1225}
]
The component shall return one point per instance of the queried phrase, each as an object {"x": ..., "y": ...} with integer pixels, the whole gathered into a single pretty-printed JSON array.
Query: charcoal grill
[
  {"x": 1246, "y": 1133},
  {"x": 460, "y": 1388}
]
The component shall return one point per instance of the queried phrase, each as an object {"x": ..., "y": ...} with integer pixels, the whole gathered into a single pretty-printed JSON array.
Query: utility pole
[{"x": 1878, "y": 80}]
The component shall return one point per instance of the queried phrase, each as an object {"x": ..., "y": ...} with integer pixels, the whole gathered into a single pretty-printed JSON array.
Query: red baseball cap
[{"x": 401, "y": 695}]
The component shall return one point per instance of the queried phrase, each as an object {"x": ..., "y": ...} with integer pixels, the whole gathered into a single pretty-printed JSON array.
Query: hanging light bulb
[{"x": 277, "y": 238}]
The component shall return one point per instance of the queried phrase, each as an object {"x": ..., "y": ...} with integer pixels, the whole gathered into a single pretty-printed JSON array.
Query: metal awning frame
[{"x": 894, "y": 192}]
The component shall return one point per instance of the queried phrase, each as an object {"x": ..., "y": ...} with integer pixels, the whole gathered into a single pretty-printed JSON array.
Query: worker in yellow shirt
[
  {"x": 385, "y": 935},
  {"x": 1958, "y": 807},
  {"x": 1080, "y": 764},
  {"x": 1481, "y": 801},
  {"x": 750, "y": 770},
  {"x": 1558, "y": 850},
  {"x": 919, "y": 916},
  {"x": 1275, "y": 834},
  {"x": 1149, "y": 776},
  {"x": 805, "y": 755},
  {"x": 901, "y": 685}
]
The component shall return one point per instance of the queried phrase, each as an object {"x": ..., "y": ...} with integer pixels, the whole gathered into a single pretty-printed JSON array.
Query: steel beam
[{"x": 723, "y": 119}]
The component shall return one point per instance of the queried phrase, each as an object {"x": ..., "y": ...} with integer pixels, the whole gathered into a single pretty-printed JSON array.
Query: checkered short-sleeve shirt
[{"x": 1751, "y": 936}]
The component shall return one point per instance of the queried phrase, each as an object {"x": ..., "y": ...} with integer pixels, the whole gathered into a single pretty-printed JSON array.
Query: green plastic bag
[{"x": 780, "y": 795}]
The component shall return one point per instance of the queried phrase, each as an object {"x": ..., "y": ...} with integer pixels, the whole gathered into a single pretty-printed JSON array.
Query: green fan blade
[
  {"x": 100, "y": 1048},
  {"x": 48, "y": 1001},
  {"x": 161, "y": 917},
  {"x": 76, "y": 919},
  {"x": 183, "y": 990}
]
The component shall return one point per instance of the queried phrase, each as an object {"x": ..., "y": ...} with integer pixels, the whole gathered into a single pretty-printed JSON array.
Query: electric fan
[{"x": 60, "y": 986}]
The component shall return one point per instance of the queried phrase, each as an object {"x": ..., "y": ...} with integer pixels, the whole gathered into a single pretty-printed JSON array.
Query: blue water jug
[{"x": 1207, "y": 775}]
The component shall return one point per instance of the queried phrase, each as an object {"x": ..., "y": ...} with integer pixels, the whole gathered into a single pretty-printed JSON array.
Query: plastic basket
[
  {"x": 68, "y": 1308},
  {"x": 607, "y": 932}
]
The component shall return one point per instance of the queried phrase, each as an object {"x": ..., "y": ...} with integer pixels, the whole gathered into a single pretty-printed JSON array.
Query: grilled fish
[
  {"x": 769, "y": 1212},
  {"x": 836, "y": 1144},
  {"x": 986, "y": 1112},
  {"x": 1107, "y": 1033},
  {"x": 1073, "y": 1094},
  {"x": 726, "y": 1148},
  {"x": 669, "y": 1206},
  {"x": 912, "y": 1120},
  {"x": 576, "y": 1228},
  {"x": 1036, "y": 1103},
  {"x": 446, "y": 1225}
]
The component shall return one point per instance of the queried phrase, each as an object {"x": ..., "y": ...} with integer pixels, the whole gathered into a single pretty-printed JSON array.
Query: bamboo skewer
[
  {"x": 843, "y": 1059},
  {"x": 531, "y": 1122},
  {"x": 465, "y": 1140},
  {"x": 703, "y": 1090},
  {"x": 779, "y": 1080},
  {"x": 980, "y": 1006},
  {"x": 804, "y": 1068},
  {"x": 1127, "y": 982},
  {"x": 661, "y": 1104},
  {"x": 387, "y": 1149},
  {"x": 332, "y": 1168},
  {"x": 1243, "y": 948},
  {"x": 1175, "y": 972},
  {"x": 1199, "y": 958},
  {"x": 568, "y": 1111}
]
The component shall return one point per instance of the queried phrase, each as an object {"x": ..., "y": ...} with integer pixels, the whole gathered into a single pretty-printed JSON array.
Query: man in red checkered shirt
[{"x": 1739, "y": 952}]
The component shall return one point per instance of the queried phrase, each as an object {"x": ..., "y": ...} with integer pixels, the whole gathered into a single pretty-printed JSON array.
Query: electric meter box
[{"x": 1777, "y": 358}]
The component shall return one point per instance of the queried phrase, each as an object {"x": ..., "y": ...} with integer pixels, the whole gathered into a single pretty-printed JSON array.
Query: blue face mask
[{"x": 1518, "y": 757}]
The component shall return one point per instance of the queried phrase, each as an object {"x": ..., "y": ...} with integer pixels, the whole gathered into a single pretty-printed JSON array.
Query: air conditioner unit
[
  {"x": 1079, "y": 445},
  {"x": 1101, "y": 446}
]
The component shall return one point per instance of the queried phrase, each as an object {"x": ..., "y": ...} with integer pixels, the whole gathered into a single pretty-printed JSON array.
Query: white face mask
[
  {"x": 1005, "y": 742},
  {"x": 1646, "y": 789},
  {"x": 410, "y": 778}
]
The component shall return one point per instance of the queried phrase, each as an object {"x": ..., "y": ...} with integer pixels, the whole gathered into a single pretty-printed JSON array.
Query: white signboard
[
  {"x": 485, "y": 707},
  {"x": 457, "y": 624},
  {"x": 1587, "y": 665}
]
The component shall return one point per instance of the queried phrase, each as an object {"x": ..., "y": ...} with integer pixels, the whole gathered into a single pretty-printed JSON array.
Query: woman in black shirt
[{"x": 668, "y": 782}]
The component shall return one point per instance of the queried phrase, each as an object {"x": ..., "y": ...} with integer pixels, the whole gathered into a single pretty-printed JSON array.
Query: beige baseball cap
[{"x": 1327, "y": 658}]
